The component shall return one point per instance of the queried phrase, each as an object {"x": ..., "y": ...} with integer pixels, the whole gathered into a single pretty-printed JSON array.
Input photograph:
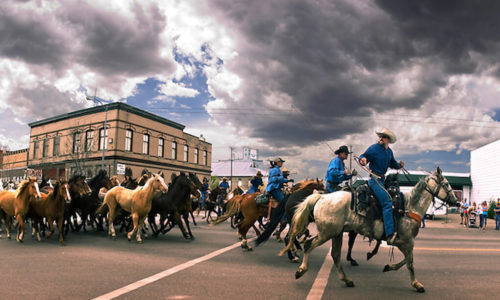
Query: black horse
[
  {"x": 87, "y": 204},
  {"x": 211, "y": 203},
  {"x": 174, "y": 204}
]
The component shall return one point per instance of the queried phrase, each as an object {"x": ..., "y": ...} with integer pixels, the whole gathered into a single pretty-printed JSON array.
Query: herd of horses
[{"x": 104, "y": 201}]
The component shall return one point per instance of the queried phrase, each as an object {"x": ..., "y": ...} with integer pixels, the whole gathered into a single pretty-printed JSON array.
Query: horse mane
[
  {"x": 74, "y": 178},
  {"x": 56, "y": 190},
  {"x": 305, "y": 184},
  {"x": 22, "y": 188},
  {"x": 418, "y": 189},
  {"x": 93, "y": 182}
]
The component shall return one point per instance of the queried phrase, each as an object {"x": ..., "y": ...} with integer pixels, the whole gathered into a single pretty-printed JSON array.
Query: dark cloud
[{"x": 338, "y": 61}]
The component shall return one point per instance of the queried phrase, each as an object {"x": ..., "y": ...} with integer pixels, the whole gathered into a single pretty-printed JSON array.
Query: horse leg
[
  {"x": 407, "y": 250},
  {"x": 50, "y": 220},
  {"x": 21, "y": 228},
  {"x": 257, "y": 232},
  {"x": 8, "y": 221},
  {"x": 186, "y": 220},
  {"x": 192, "y": 216},
  {"x": 291, "y": 255},
  {"x": 309, "y": 246},
  {"x": 141, "y": 226},
  {"x": 177, "y": 219},
  {"x": 135, "y": 220},
  {"x": 374, "y": 251},
  {"x": 352, "y": 238},
  {"x": 60, "y": 221},
  {"x": 111, "y": 226},
  {"x": 243, "y": 230}
]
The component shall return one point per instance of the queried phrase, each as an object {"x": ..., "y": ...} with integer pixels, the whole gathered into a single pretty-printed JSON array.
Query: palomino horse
[
  {"x": 52, "y": 208},
  {"x": 17, "y": 204},
  {"x": 137, "y": 202},
  {"x": 333, "y": 215}
]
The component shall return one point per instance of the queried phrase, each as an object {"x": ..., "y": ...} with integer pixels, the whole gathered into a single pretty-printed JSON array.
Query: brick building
[{"x": 74, "y": 142}]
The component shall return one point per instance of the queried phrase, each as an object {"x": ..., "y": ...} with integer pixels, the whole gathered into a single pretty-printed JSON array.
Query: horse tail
[
  {"x": 101, "y": 208},
  {"x": 301, "y": 219},
  {"x": 232, "y": 209}
]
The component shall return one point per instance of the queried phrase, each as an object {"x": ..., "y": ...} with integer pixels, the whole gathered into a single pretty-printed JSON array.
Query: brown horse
[
  {"x": 52, "y": 208},
  {"x": 114, "y": 182},
  {"x": 137, "y": 202},
  {"x": 27, "y": 192}
]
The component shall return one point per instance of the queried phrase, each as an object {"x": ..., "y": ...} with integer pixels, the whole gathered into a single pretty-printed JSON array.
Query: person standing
[
  {"x": 380, "y": 157},
  {"x": 497, "y": 215},
  {"x": 255, "y": 183},
  {"x": 484, "y": 215},
  {"x": 465, "y": 209},
  {"x": 337, "y": 172}
]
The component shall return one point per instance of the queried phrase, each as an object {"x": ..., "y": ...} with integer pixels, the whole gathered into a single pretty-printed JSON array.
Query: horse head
[
  {"x": 194, "y": 179},
  {"x": 143, "y": 179},
  {"x": 78, "y": 185},
  {"x": 29, "y": 188},
  {"x": 101, "y": 180},
  {"x": 114, "y": 180},
  {"x": 438, "y": 186},
  {"x": 157, "y": 183},
  {"x": 309, "y": 184},
  {"x": 62, "y": 190}
]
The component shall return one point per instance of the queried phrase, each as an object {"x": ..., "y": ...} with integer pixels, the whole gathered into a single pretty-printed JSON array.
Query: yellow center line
[{"x": 458, "y": 249}]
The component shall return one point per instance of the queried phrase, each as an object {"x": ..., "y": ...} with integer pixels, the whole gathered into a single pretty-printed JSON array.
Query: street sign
[{"x": 120, "y": 169}]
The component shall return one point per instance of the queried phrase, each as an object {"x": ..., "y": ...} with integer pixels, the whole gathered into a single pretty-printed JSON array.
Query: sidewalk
[{"x": 453, "y": 221}]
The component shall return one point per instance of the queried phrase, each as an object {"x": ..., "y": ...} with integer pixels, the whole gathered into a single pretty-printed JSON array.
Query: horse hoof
[
  {"x": 386, "y": 268},
  {"x": 354, "y": 263},
  {"x": 295, "y": 259},
  {"x": 368, "y": 256},
  {"x": 139, "y": 242},
  {"x": 249, "y": 248},
  {"x": 349, "y": 284},
  {"x": 420, "y": 290},
  {"x": 299, "y": 274}
]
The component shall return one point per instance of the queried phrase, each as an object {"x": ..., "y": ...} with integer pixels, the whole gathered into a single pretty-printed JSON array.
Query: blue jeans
[
  {"x": 220, "y": 206},
  {"x": 483, "y": 219},
  {"x": 332, "y": 187},
  {"x": 385, "y": 201},
  {"x": 203, "y": 195},
  {"x": 277, "y": 214},
  {"x": 497, "y": 221}
]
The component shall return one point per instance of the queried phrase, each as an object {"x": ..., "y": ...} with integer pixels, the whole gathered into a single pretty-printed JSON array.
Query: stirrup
[{"x": 392, "y": 239}]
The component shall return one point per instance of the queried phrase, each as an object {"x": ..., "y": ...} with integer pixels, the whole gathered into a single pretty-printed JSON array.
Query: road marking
[
  {"x": 158, "y": 276},
  {"x": 459, "y": 249},
  {"x": 319, "y": 285}
]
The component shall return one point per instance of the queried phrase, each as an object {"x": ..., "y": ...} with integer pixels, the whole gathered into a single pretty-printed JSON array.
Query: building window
[
  {"x": 77, "y": 142},
  {"x": 128, "y": 140},
  {"x": 89, "y": 140},
  {"x": 57, "y": 142},
  {"x": 196, "y": 155},
  {"x": 145, "y": 144},
  {"x": 174, "y": 150},
  {"x": 102, "y": 139},
  {"x": 204, "y": 157},
  {"x": 186, "y": 153},
  {"x": 45, "y": 150},
  {"x": 35, "y": 146},
  {"x": 160, "y": 147}
]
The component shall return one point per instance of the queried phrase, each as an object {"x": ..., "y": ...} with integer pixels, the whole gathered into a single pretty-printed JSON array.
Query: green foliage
[
  {"x": 214, "y": 182},
  {"x": 491, "y": 210}
]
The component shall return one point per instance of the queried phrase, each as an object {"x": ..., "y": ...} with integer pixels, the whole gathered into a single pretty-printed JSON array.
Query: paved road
[{"x": 451, "y": 261}]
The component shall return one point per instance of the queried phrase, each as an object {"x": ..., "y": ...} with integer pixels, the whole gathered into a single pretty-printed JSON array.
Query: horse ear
[{"x": 438, "y": 171}]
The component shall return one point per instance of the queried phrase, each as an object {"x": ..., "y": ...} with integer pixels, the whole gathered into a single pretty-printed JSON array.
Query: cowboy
[
  {"x": 256, "y": 182},
  {"x": 223, "y": 186},
  {"x": 204, "y": 190},
  {"x": 380, "y": 158},
  {"x": 337, "y": 172}
]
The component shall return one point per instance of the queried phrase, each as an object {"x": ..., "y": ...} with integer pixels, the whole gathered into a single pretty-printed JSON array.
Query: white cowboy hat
[{"x": 387, "y": 133}]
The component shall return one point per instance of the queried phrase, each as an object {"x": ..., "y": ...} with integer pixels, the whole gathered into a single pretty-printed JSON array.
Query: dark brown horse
[{"x": 51, "y": 207}]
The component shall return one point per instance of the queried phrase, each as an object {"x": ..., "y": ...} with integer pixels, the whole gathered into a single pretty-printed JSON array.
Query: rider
[
  {"x": 336, "y": 172},
  {"x": 223, "y": 186},
  {"x": 256, "y": 182},
  {"x": 274, "y": 185},
  {"x": 380, "y": 158},
  {"x": 204, "y": 190}
]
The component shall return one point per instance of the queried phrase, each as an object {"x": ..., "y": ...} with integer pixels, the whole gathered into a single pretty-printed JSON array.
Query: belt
[{"x": 382, "y": 176}]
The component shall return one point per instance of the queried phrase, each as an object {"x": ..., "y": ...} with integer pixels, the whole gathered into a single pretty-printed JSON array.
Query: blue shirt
[
  {"x": 224, "y": 186},
  {"x": 256, "y": 182},
  {"x": 204, "y": 187},
  {"x": 275, "y": 179},
  {"x": 380, "y": 159},
  {"x": 335, "y": 172}
]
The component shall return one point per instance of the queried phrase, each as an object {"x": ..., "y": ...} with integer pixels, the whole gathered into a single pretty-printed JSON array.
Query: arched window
[
  {"x": 186, "y": 149},
  {"x": 89, "y": 140},
  {"x": 145, "y": 144},
  {"x": 128, "y": 139},
  {"x": 174, "y": 150},
  {"x": 102, "y": 138},
  {"x": 161, "y": 142},
  {"x": 196, "y": 155}
]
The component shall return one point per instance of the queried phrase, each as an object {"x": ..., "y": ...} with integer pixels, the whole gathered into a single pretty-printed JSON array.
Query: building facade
[
  {"x": 76, "y": 141},
  {"x": 239, "y": 172},
  {"x": 13, "y": 164},
  {"x": 485, "y": 172}
]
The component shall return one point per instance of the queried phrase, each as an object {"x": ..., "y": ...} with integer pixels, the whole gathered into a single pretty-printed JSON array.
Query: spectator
[
  {"x": 463, "y": 211},
  {"x": 497, "y": 215},
  {"x": 484, "y": 214}
]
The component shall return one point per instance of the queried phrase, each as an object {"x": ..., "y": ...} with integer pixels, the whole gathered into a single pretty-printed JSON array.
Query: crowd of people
[{"x": 469, "y": 214}]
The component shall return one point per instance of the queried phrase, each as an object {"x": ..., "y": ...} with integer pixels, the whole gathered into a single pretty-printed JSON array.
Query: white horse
[{"x": 333, "y": 216}]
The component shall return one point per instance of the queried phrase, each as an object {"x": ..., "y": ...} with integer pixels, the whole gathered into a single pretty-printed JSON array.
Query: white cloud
[{"x": 171, "y": 89}]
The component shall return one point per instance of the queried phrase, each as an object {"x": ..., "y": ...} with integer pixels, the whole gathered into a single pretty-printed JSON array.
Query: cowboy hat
[
  {"x": 343, "y": 149},
  {"x": 387, "y": 133},
  {"x": 258, "y": 173},
  {"x": 224, "y": 178},
  {"x": 277, "y": 159}
]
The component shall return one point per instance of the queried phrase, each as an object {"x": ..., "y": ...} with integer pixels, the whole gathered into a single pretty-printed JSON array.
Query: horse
[
  {"x": 114, "y": 182},
  {"x": 211, "y": 203},
  {"x": 51, "y": 207},
  {"x": 333, "y": 215},
  {"x": 46, "y": 186},
  {"x": 174, "y": 204},
  {"x": 87, "y": 204},
  {"x": 27, "y": 191},
  {"x": 78, "y": 188},
  {"x": 137, "y": 202}
]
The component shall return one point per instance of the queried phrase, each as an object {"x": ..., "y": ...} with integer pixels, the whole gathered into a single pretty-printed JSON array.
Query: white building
[
  {"x": 242, "y": 171},
  {"x": 485, "y": 172}
]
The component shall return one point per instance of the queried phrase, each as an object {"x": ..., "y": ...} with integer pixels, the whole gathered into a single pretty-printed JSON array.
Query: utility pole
[
  {"x": 350, "y": 164},
  {"x": 231, "y": 148}
]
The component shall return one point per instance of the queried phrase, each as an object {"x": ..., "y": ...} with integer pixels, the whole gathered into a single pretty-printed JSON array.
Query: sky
[{"x": 295, "y": 79}]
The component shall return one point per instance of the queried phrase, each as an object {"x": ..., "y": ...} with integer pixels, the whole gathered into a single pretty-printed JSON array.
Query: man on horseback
[
  {"x": 380, "y": 158},
  {"x": 336, "y": 172},
  {"x": 256, "y": 182},
  {"x": 223, "y": 186}
]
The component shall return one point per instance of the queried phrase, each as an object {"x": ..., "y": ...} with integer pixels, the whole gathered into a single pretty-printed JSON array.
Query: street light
[{"x": 95, "y": 99}]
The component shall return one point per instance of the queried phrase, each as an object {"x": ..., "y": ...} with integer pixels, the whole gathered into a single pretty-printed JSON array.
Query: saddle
[
  {"x": 264, "y": 199},
  {"x": 366, "y": 205}
]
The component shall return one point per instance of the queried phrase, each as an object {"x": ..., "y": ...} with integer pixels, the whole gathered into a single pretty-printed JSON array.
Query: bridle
[{"x": 440, "y": 185}]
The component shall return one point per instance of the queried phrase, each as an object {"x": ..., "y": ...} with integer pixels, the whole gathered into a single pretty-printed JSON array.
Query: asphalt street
[{"x": 450, "y": 260}]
